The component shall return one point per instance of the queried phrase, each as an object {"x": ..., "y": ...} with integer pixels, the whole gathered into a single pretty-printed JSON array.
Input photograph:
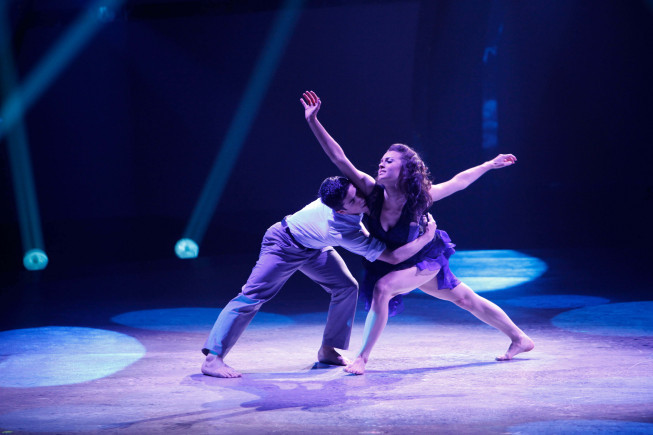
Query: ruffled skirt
[{"x": 432, "y": 257}]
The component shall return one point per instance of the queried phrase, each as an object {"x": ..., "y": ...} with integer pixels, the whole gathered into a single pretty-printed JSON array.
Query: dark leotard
[{"x": 435, "y": 255}]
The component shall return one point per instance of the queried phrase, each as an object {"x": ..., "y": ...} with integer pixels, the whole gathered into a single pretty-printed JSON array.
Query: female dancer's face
[{"x": 390, "y": 167}]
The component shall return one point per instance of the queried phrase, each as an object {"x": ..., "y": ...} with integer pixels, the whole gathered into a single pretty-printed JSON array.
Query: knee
[
  {"x": 465, "y": 302},
  {"x": 382, "y": 291},
  {"x": 351, "y": 287},
  {"x": 346, "y": 288},
  {"x": 245, "y": 304}
]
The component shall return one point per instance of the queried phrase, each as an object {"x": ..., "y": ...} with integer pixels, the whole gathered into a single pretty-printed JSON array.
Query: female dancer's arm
[
  {"x": 361, "y": 180},
  {"x": 464, "y": 179},
  {"x": 406, "y": 251}
]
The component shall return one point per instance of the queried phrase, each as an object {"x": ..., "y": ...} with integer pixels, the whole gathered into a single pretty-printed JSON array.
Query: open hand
[
  {"x": 311, "y": 104},
  {"x": 503, "y": 160}
]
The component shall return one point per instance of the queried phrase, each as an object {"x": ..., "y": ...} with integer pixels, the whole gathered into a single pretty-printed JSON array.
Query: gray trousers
[{"x": 279, "y": 258}]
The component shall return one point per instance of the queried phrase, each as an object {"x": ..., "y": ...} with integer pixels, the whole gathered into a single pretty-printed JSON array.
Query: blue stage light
[
  {"x": 490, "y": 123},
  {"x": 57, "y": 355},
  {"x": 186, "y": 248},
  {"x": 625, "y": 319},
  {"x": 489, "y": 270},
  {"x": 245, "y": 114},
  {"x": 19, "y": 160},
  {"x": 53, "y": 63},
  {"x": 549, "y": 301},
  {"x": 18, "y": 101},
  {"x": 106, "y": 14},
  {"x": 35, "y": 259}
]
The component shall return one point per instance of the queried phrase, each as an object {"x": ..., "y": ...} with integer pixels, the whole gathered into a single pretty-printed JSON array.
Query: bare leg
[
  {"x": 328, "y": 355},
  {"x": 392, "y": 284},
  {"x": 488, "y": 312},
  {"x": 375, "y": 322},
  {"x": 213, "y": 365}
]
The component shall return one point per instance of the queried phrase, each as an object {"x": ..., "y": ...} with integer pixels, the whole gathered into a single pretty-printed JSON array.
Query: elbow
[{"x": 392, "y": 260}]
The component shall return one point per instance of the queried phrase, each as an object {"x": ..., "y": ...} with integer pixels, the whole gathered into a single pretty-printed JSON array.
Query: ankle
[
  {"x": 212, "y": 357},
  {"x": 325, "y": 349}
]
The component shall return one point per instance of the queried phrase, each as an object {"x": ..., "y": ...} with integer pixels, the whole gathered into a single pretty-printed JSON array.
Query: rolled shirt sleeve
[
  {"x": 350, "y": 236},
  {"x": 317, "y": 226}
]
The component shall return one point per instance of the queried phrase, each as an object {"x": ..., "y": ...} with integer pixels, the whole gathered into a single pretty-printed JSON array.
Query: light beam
[
  {"x": 19, "y": 99},
  {"x": 256, "y": 88}
]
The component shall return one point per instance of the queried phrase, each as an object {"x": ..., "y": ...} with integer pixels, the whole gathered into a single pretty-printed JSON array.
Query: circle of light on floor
[
  {"x": 629, "y": 319},
  {"x": 70, "y": 418},
  {"x": 583, "y": 427},
  {"x": 489, "y": 270},
  {"x": 56, "y": 355},
  {"x": 555, "y": 301},
  {"x": 190, "y": 319}
]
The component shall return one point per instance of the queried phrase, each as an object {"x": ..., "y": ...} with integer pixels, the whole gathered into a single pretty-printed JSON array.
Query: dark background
[{"x": 124, "y": 139}]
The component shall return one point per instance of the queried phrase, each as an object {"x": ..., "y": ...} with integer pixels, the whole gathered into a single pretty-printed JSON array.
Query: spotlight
[
  {"x": 246, "y": 112},
  {"x": 186, "y": 248},
  {"x": 35, "y": 259},
  {"x": 106, "y": 14}
]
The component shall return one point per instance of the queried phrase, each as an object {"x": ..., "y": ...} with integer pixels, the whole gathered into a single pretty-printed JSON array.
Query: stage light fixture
[
  {"x": 35, "y": 259},
  {"x": 186, "y": 248}
]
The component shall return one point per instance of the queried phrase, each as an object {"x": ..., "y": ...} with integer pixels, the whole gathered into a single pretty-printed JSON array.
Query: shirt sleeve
[{"x": 355, "y": 241}]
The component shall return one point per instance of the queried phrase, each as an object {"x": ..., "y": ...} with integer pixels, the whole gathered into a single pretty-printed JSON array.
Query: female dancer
[{"x": 397, "y": 199}]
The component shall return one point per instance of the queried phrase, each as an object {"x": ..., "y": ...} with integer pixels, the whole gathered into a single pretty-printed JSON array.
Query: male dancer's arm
[{"x": 406, "y": 251}]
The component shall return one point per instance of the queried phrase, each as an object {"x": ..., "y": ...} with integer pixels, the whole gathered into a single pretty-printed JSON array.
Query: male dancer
[{"x": 304, "y": 241}]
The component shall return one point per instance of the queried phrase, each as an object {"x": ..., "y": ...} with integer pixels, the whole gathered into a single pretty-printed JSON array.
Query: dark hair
[
  {"x": 414, "y": 180},
  {"x": 333, "y": 191}
]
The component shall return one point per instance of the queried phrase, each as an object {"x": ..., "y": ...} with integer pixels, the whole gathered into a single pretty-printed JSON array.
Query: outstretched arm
[
  {"x": 464, "y": 179},
  {"x": 406, "y": 251},
  {"x": 361, "y": 180}
]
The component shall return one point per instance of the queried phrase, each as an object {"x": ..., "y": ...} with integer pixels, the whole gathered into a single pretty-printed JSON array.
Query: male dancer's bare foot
[
  {"x": 328, "y": 355},
  {"x": 357, "y": 367},
  {"x": 213, "y": 365},
  {"x": 523, "y": 344}
]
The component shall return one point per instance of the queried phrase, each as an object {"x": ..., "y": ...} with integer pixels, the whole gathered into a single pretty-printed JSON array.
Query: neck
[{"x": 394, "y": 194}]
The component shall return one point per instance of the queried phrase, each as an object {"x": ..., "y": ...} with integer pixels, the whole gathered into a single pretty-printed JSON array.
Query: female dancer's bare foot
[
  {"x": 357, "y": 367},
  {"x": 523, "y": 344},
  {"x": 213, "y": 365},
  {"x": 328, "y": 355}
]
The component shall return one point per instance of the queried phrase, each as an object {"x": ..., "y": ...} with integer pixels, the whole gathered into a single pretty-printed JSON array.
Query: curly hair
[{"x": 414, "y": 180}]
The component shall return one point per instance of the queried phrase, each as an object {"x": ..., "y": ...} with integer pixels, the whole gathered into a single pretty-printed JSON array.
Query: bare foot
[
  {"x": 523, "y": 344},
  {"x": 213, "y": 365},
  {"x": 357, "y": 367},
  {"x": 328, "y": 355}
]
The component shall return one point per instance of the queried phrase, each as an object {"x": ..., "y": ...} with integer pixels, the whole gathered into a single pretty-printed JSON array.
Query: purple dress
[{"x": 435, "y": 255}]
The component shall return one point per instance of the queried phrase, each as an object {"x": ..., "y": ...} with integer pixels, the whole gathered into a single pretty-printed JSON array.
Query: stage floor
[{"x": 116, "y": 349}]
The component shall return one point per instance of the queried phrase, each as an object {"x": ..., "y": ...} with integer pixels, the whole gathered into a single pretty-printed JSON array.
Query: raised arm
[
  {"x": 361, "y": 180},
  {"x": 463, "y": 179},
  {"x": 406, "y": 251}
]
